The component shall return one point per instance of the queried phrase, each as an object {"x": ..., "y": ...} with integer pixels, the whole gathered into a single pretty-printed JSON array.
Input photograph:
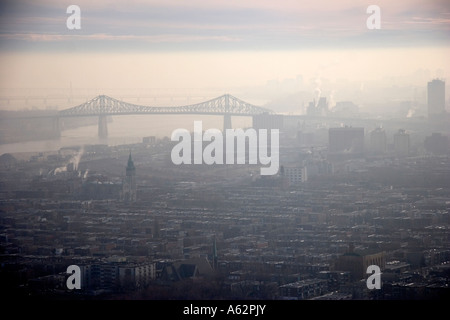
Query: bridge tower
[
  {"x": 102, "y": 127},
  {"x": 227, "y": 117}
]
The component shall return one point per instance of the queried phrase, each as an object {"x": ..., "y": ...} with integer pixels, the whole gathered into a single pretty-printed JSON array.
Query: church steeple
[
  {"x": 130, "y": 165},
  {"x": 129, "y": 184}
]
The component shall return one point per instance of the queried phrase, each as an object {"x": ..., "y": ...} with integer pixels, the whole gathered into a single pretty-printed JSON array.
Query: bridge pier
[
  {"x": 56, "y": 127},
  {"x": 102, "y": 127},
  {"x": 227, "y": 122}
]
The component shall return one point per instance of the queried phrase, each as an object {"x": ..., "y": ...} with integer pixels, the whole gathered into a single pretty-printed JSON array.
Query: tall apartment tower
[
  {"x": 378, "y": 141},
  {"x": 346, "y": 140},
  {"x": 129, "y": 183},
  {"x": 436, "y": 98},
  {"x": 401, "y": 143}
]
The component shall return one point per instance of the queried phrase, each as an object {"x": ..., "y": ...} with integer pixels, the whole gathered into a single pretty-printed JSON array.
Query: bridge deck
[{"x": 223, "y": 105}]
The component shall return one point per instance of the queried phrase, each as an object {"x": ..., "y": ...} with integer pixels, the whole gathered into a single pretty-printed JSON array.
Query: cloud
[
  {"x": 38, "y": 37},
  {"x": 438, "y": 22},
  {"x": 246, "y": 24}
]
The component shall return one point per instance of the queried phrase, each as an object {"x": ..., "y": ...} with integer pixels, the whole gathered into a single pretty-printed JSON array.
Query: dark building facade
[
  {"x": 378, "y": 141},
  {"x": 346, "y": 140},
  {"x": 436, "y": 98},
  {"x": 401, "y": 143}
]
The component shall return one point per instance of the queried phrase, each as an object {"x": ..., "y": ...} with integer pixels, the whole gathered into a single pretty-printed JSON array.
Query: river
[{"x": 124, "y": 130}]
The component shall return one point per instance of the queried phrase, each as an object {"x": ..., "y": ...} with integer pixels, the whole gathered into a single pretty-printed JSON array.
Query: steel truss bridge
[{"x": 103, "y": 106}]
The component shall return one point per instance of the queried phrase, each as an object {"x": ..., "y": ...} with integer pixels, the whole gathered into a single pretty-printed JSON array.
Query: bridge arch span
[{"x": 103, "y": 106}]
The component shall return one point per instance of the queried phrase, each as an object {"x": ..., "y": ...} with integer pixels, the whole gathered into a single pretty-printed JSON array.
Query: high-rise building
[
  {"x": 116, "y": 275},
  {"x": 357, "y": 261},
  {"x": 346, "y": 140},
  {"x": 294, "y": 174},
  {"x": 401, "y": 143},
  {"x": 129, "y": 183},
  {"x": 378, "y": 141},
  {"x": 436, "y": 98},
  {"x": 437, "y": 144},
  {"x": 268, "y": 121}
]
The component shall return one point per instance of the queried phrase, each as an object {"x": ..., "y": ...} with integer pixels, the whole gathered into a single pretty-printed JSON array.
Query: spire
[
  {"x": 129, "y": 183},
  {"x": 214, "y": 254},
  {"x": 130, "y": 165}
]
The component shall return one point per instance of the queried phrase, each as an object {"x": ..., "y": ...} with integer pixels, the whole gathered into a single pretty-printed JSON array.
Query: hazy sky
[{"x": 220, "y": 44}]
